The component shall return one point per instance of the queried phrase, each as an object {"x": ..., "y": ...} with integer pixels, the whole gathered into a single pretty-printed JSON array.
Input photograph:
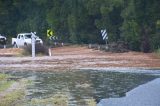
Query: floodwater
[{"x": 82, "y": 85}]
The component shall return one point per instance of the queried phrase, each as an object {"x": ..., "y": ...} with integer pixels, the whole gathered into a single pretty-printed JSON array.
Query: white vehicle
[
  {"x": 24, "y": 39},
  {"x": 3, "y": 40}
]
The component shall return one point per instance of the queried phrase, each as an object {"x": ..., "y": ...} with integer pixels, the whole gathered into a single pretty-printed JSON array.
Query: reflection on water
[{"x": 83, "y": 85}]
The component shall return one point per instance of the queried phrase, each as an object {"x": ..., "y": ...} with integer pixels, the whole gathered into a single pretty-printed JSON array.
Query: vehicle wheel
[{"x": 15, "y": 45}]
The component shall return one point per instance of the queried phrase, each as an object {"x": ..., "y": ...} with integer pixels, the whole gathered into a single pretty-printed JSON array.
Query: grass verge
[
  {"x": 9, "y": 95},
  {"x": 5, "y": 85},
  {"x": 3, "y": 76},
  {"x": 91, "y": 102},
  {"x": 11, "y": 98},
  {"x": 56, "y": 100}
]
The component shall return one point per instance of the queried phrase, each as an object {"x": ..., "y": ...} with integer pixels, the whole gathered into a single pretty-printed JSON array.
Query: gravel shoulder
[{"x": 69, "y": 58}]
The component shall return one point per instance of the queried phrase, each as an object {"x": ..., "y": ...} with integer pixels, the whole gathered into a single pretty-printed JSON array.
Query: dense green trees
[
  {"x": 139, "y": 25},
  {"x": 136, "y": 22}
]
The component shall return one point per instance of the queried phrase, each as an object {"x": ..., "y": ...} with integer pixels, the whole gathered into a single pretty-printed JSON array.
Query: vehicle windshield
[{"x": 28, "y": 36}]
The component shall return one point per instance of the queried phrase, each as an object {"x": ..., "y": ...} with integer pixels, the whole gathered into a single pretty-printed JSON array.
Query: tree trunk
[{"x": 145, "y": 45}]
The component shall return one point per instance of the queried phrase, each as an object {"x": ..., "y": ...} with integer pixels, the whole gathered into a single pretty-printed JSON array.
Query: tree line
[{"x": 135, "y": 22}]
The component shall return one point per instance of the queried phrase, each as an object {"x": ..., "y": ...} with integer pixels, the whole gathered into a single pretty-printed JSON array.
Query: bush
[
  {"x": 39, "y": 49},
  {"x": 158, "y": 52}
]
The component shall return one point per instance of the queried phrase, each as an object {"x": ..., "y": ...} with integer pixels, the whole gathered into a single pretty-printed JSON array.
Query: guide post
[
  {"x": 33, "y": 44},
  {"x": 50, "y": 34}
]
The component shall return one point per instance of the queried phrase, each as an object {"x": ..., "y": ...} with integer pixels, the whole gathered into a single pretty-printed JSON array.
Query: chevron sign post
[
  {"x": 104, "y": 34},
  {"x": 49, "y": 33}
]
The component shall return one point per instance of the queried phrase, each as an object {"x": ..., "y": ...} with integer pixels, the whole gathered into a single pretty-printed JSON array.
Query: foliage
[
  {"x": 158, "y": 52},
  {"x": 39, "y": 49},
  {"x": 136, "y": 22}
]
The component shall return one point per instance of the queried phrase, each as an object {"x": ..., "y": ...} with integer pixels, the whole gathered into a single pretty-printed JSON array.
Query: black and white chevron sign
[{"x": 104, "y": 34}]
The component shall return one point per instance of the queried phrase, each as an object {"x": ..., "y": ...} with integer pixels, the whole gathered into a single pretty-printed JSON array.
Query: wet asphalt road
[{"x": 144, "y": 95}]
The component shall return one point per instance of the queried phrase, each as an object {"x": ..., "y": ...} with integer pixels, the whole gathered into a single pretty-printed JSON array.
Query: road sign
[
  {"x": 49, "y": 33},
  {"x": 54, "y": 38},
  {"x": 104, "y": 34}
]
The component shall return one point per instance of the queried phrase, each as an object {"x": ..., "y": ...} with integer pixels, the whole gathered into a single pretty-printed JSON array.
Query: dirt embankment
[{"x": 76, "y": 57}]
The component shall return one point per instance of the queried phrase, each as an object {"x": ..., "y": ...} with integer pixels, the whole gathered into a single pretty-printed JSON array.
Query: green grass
[
  {"x": 91, "y": 102},
  {"x": 3, "y": 76},
  {"x": 5, "y": 85},
  {"x": 11, "y": 98},
  {"x": 56, "y": 100}
]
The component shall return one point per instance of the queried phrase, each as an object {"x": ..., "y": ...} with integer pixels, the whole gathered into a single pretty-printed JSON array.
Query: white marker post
[
  {"x": 33, "y": 44},
  {"x": 4, "y": 46},
  {"x": 104, "y": 35},
  {"x": 50, "y": 52}
]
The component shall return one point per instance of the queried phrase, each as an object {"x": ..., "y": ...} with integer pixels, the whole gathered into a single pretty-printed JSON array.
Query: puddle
[{"x": 82, "y": 85}]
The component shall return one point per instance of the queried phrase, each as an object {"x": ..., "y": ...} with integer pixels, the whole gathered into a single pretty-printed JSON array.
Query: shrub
[
  {"x": 39, "y": 49},
  {"x": 158, "y": 52}
]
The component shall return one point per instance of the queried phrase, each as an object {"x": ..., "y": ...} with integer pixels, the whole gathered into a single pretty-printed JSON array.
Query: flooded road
[
  {"x": 82, "y": 85},
  {"x": 75, "y": 57}
]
